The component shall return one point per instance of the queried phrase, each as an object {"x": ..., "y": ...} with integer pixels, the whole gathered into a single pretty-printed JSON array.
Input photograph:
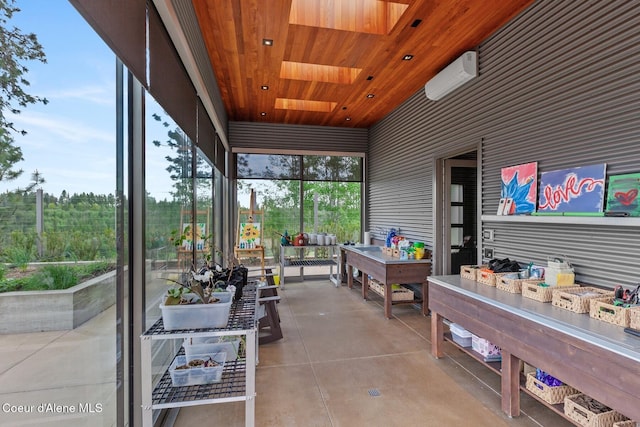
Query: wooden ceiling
[{"x": 337, "y": 62}]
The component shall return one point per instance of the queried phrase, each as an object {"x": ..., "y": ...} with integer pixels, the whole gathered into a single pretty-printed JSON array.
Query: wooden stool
[{"x": 269, "y": 324}]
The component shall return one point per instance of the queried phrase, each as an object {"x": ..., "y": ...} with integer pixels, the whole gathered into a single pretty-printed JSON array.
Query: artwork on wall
[
  {"x": 622, "y": 195},
  {"x": 519, "y": 189},
  {"x": 579, "y": 189}
]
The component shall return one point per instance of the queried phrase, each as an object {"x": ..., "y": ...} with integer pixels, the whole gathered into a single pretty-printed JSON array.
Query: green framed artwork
[{"x": 622, "y": 195}]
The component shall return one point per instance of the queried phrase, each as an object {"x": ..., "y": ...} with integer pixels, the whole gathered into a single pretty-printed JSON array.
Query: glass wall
[
  {"x": 312, "y": 194},
  {"x": 59, "y": 221}
]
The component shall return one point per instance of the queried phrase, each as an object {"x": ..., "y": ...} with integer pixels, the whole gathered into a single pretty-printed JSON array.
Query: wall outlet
[
  {"x": 488, "y": 253},
  {"x": 488, "y": 235}
]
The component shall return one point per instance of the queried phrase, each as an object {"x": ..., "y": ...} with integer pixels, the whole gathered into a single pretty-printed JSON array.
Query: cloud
[
  {"x": 48, "y": 128},
  {"x": 97, "y": 94}
]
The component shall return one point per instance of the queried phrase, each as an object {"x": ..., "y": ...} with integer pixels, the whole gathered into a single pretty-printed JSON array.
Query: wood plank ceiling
[{"x": 337, "y": 62}]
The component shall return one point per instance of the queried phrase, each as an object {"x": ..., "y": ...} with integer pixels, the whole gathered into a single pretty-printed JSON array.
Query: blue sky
[{"x": 71, "y": 140}]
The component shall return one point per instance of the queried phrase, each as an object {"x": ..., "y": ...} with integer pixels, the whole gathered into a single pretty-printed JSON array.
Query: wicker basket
[
  {"x": 603, "y": 309},
  {"x": 552, "y": 395},
  {"x": 532, "y": 290},
  {"x": 627, "y": 423},
  {"x": 470, "y": 271},
  {"x": 402, "y": 294},
  {"x": 488, "y": 277},
  {"x": 585, "y": 417},
  {"x": 634, "y": 318},
  {"x": 505, "y": 283},
  {"x": 577, "y": 299}
]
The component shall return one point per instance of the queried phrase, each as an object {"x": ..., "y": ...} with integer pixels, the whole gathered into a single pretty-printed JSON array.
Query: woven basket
[
  {"x": 532, "y": 290},
  {"x": 552, "y": 395},
  {"x": 402, "y": 294},
  {"x": 584, "y": 417},
  {"x": 487, "y": 277},
  {"x": 514, "y": 286},
  {"x": 470, "y": 271},
  {"x": 634, "y": 318},
  {"x": 627, "y": 423},
  {"x": 577, "y": 298},
  {"x": 603, "y": 309}
]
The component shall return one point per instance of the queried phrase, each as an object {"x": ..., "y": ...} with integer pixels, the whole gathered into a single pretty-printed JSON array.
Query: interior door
[{"x": 459, "y": 216}]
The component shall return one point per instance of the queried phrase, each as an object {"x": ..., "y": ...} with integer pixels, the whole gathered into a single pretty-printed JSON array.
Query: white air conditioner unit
[{"x": 453, "y": 76}]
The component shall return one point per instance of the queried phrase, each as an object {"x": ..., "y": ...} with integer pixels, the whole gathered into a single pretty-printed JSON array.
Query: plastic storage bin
[
  {"x": 197, "y": 316},
  {"x": 197, "y": 375},
  {"x": 460, "y": 335},
  {"x": 193, "y": 346},
  {"x": 489, "y": 351}
]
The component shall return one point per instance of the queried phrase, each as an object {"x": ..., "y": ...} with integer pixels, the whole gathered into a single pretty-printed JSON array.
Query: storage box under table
[
  {"x": 460, "y": 335},
  {"x": 603, "y": 309},
  {"x": 628, "y": 423},
  {"x": 489, "y": 351},
  {"x": 398, "y": 293},
  {"x": 634, "y": 318},
  {"x": 575, "y": 409},
  {"x": 553, "y": 395},
  {"x": 577, "y": 299}
]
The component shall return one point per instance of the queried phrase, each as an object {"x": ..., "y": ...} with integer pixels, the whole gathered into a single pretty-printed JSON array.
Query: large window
[
  {"x": 303, "y": 193},
  {"x": 59, "y": 224}
]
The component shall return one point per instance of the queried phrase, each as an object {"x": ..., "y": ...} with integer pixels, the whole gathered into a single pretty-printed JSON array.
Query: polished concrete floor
[{"x": 341, "y": 363}]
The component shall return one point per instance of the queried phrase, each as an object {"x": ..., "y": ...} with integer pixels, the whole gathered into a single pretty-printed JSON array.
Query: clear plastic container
[
  {"x": 197, "y": 375},
  {"x": 460, "y": 335},
  {"x": 212, "y": 345},
  {"x": 197, "y": 316}
]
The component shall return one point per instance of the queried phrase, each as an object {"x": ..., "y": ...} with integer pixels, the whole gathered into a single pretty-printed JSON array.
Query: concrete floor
[{"x": 341, "y": 363}]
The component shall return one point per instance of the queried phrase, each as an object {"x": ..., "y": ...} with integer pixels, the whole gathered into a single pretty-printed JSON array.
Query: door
[{"x": 457, "y": 193}]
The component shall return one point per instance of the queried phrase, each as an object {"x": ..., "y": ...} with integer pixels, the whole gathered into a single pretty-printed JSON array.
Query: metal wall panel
[
  {"x": 295, "y": 139},
  {"x": 559, "y": 85}
]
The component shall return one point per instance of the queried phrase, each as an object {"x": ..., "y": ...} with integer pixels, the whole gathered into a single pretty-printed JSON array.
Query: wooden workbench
[
  {"x": 595, "y": 357},
  {"x": 387, "y": 270}
]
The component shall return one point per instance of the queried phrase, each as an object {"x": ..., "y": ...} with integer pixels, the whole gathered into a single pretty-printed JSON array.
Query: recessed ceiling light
[
  {"x": 348, "y": 119},
  {"x": 344, "y": 108},
  {"x": 263, "y": 114},
  {"x": 407, "y": 57},
  {"x": 264, "y": 87},
  {"x": 370, "y": 95},
  {"x": 267, "y": 42}
]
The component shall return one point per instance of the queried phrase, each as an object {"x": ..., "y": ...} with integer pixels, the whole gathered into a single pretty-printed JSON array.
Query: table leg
[
  {"x": 349, "y": 276},
  {"x": 425, "y": 298},
  {"x": 437, "y": 335},
  {"x": 388, "y": 298},
  {"x": 510, "y": 384},
  {"x": 365, "y": 285}
]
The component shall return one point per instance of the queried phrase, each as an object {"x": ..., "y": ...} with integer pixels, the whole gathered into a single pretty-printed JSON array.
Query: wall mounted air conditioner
[{"x": 452, "y": 76}]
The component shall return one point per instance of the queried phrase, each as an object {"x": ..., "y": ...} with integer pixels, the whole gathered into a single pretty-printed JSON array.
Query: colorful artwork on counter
[
  {"x": 520, "y": 184},
  {"x": 579, "y": 189},
  {"x": 622, "y": 195}
]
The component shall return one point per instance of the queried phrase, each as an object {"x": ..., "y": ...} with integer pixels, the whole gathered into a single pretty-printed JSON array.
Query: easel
[{"x": 257, "y": 250}]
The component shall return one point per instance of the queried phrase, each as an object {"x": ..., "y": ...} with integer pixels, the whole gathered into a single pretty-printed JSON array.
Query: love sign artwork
[
  {"x": 578, "y": 189},
  {"x": 622, "y": 195}
]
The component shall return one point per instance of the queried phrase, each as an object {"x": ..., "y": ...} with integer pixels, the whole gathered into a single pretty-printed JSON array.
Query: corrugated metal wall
[
  {"x": 246, "y": 136},
  {"x": 559, "y": 85}
]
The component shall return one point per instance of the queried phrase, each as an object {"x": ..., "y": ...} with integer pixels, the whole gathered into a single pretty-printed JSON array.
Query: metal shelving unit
[
  {"x": 238, "y": 377},
  {"x": 301, "y": 261}
]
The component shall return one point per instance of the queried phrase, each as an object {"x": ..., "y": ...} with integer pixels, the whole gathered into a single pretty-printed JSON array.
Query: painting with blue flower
[{"x": 520, "y": 184}]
